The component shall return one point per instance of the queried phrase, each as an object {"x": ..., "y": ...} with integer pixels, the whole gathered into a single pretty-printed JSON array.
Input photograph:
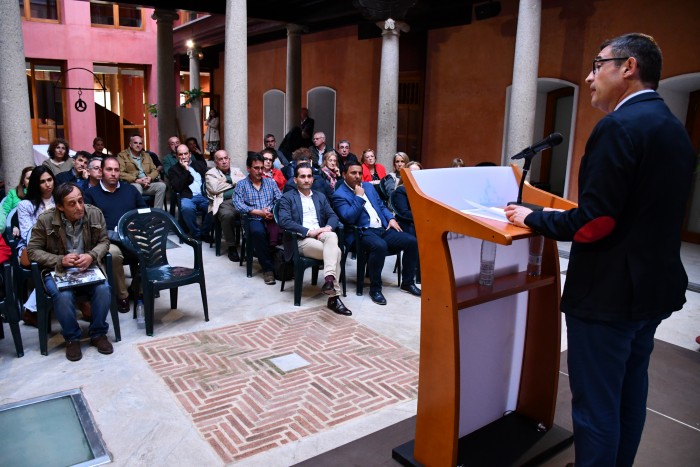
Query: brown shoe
[
  {"x": 104, "y": 346},
  {"x": 73, "y": 352},
  {"x": 269, "y": 278},
  {"x": 30, "y": 319}
]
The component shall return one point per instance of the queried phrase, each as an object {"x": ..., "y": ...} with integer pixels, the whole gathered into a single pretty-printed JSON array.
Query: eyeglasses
[{"x": 597, "y": 67}]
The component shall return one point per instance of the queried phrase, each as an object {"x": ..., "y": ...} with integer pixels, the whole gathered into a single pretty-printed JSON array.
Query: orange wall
[{"x": 469, "y": 69}]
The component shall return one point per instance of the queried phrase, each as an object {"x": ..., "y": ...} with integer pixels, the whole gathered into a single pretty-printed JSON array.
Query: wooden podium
[{"x": 489, "y": 356}]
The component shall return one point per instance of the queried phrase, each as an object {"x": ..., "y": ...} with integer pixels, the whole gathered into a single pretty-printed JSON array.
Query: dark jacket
[
  {"x": 291, "y": 216},
  {"x": 181, "y": 179},
  {"x": 351, "y": 208},
  {"x": 634, "y": 182}
]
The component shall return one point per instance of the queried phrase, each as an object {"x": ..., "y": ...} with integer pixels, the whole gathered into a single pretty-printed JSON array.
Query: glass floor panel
[{"x": 53, "y": 430}]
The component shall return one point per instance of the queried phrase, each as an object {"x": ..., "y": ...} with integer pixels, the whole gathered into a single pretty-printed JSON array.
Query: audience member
[
  {"x": 372, "y": 171},
  {"x": 270, "y": 143},
  {"x": 78, "y": 174},
  {"x": 98, "y": 146},
  {"x": 255, "y": 196},
  {"x": 73, "y": 235},
  {"x": 330, "y": 170},
  {"x": 309, "y": 215},
  {"x": 94, "y": 170},
  {"x": 269, "y": 171},
  {"x": 115, "y": 199},
  {"x": 221, "y": 182},
  {"x": 301, "y": 156},
  {"x": 39, "y": 198},
  {"x": 402, "y": 208},
  {"x": 307, "y": 128},
  {"x": 392, "y": 179},
  {"x": 195, "y": 151},
  {"x": 291, "y": 142},
  {"x": 13, "y": 198},
  {"x": 187, "y": 179},
  {"x": 59, "y": 159},
  {"x": 170, "y": 159},
  {"x": 136, "y": 167},
  {"x": 344, "y": 154},
  {"x": 457, "y": 162},
  {"x": 211, "y": 136},
  {"x": 358, "y": 204},
  {"x": 318, "y": 148},
  {"x": 157, "y": 163}
]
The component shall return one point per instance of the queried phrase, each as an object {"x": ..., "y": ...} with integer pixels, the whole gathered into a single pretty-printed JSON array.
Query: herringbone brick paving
[{"x": 242, "y": 404}]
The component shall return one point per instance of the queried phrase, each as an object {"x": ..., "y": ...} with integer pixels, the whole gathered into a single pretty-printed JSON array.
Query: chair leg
[
  {"x": 43, "y": 322},
  {"x": 115, "y": 321},
  {"x": 203, "y": 290},
  {"x": 314, "y": 275},
  {"x": 173, "y": 298},
  {"x": 360, "y": 274},
  {"x": 17, "y": 338},
  {"x": 298, "y": 279},
  {"x": 148, "y": 308}
]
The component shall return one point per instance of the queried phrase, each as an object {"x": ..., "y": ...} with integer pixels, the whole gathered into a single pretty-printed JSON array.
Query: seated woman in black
[{"x": 399, "y": 202}]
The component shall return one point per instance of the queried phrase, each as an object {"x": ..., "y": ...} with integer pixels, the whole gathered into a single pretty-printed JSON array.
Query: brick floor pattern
[{"x": 243, "y": 405}]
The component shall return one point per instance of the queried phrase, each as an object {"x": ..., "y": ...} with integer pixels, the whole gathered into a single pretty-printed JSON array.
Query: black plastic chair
[
  {"x": 20, "y": 274},
  {"x": 145, "y": 232},
  {"x": 246, "y": 250},
  {"x": 301, "y": 263},
  {"x": 44, "y": 305},
  {"x": 9, "y": 310},
  {"x": 361, "y": 260}
]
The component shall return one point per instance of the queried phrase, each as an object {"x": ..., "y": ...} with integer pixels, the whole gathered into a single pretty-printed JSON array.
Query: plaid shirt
[{"x": 246, "y": 197}]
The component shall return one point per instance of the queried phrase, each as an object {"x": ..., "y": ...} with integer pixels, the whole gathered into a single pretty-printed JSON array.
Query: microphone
[{"x": 550, "y": 141}]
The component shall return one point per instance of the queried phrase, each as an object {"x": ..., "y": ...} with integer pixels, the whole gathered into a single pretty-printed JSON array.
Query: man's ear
[{"x": 631, "y": 67}]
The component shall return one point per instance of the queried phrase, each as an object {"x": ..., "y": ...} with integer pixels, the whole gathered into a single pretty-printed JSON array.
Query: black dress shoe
[
  {"x": 377, "y": 298},
  {"x": 233, "y": 255},
  {"x": 411, "y": 288},
  {"x": 336, "y": 306}
]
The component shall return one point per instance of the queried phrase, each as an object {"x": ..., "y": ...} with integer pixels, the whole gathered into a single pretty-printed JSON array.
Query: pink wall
[{"x": 78, "y": 44}]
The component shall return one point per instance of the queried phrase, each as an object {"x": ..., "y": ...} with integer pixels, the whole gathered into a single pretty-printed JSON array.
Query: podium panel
[{"x": 489, "y": 355}]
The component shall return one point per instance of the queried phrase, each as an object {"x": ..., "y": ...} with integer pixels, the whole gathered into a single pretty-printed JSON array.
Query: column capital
[
  {"x": 295, "y": 29},
  {"x": 393, "y": 27},
  {"x": 195, "y": 53},
  {"x": 165, "y": 16}
]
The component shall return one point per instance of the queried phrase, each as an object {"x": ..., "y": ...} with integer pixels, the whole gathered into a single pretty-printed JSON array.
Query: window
[
  {"x": 122, "y": 108},
  {"x": 117, "y": 16},
  {"x": 39, "y": 10},
  {"x": 46, "y": 107}
]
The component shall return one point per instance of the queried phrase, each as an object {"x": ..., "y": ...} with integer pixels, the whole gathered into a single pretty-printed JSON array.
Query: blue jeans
[
  {"x": 64, "y": 308},
  {"x": 190, "y": 208},
  {"x": 380, "y": 242},
  {"x": 260, "y": 242},
  {"x": 608, "y": 364}
]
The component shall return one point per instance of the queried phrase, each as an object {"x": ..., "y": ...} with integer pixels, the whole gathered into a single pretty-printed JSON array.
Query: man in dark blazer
[
  {"x": 187, "y": 178},
  {"x": 358, "y": 204},
  {"x": 309, "y": 214},
  {"x": 625, "y": 273}
]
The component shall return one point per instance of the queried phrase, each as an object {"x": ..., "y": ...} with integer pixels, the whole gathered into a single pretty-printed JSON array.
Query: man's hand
[
  {"x": 317, "y": 233},
  {"x": 359, "y": 191},
  {"x": 185, "y": 165},
  {"x": 394, "y": 225},
  {"x": 517, "y": 214},
  {"x": 264, "y": 213},
  {"x": 80, "y": 261}
]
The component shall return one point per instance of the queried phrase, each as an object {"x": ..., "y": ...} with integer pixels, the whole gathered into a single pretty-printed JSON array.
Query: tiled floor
[
  {"x": 142, "y": 421},
  {"x": 242, "y": 403}
]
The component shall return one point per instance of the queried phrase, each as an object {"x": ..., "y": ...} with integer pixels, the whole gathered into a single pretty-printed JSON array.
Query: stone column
[
  {"x": 236, "y": 78},
  {"x": 292, "y": 97},
  {"x": 164, "y": 74},
  {"x": 15, "y": 124},
  {"x": 194, "y": 84},
  {"x": 523, "y": 94},
  {"x": 387, "y": 119}
]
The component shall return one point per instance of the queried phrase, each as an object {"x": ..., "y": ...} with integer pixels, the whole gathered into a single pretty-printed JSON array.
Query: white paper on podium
[{"x": 496, "y": 214}]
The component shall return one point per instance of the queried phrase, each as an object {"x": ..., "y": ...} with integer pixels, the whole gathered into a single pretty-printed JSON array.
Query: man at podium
[{"x": 625, "y": 273}]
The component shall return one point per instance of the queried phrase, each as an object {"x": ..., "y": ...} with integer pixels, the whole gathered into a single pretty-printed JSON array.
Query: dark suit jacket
[
  {"x": 634, "y": 182},
  {"x": 319, "y": 185},
  {"x": 351, "y": 208},
  {"x": 180, "y": 179},
  {"x": 291, "y": 216}
]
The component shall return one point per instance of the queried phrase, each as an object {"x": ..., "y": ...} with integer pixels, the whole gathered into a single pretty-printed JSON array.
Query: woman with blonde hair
[
  {"x": 392, "y": 179},
  {"x": 329, "y": 169}
]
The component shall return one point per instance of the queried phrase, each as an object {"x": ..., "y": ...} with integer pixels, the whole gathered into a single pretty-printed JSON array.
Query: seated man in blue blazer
[
  {"x": 358, "y": 204},
  {"x": 309, "y": 214}
]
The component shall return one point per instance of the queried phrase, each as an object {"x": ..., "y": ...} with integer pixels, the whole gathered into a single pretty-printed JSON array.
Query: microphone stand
[{"x": 526, "y": 169}]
